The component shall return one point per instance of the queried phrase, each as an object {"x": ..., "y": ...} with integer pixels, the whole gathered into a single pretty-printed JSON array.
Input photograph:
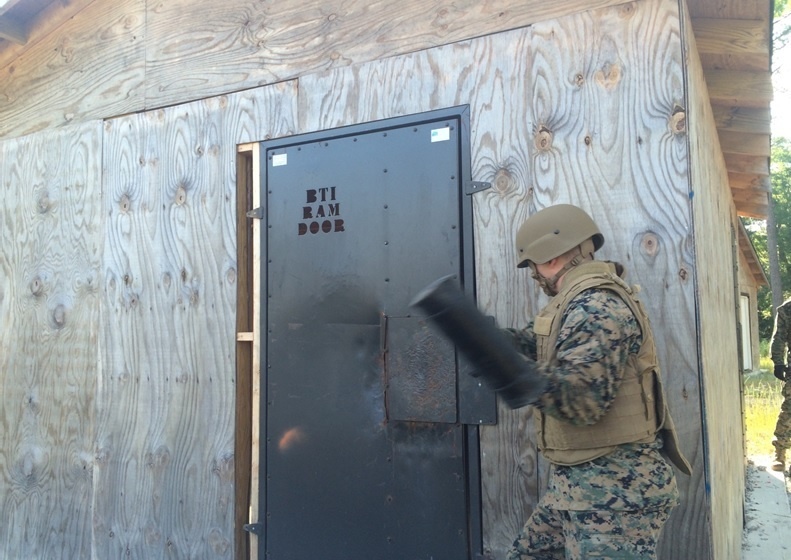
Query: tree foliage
[{"x": 781, "y": 196}]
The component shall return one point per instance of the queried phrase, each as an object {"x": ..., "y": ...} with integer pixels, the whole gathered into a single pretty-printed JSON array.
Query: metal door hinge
[
  {"x": 256, "y": 213},
  {"x": 254, "y": 528},
  {"x": 477, "y": 186}
]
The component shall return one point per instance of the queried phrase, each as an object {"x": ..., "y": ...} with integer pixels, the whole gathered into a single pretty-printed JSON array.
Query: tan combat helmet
[{"x": 554, "y": 231}]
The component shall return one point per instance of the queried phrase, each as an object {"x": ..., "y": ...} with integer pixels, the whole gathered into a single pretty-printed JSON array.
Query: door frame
[{"x": 251, "y": 176}]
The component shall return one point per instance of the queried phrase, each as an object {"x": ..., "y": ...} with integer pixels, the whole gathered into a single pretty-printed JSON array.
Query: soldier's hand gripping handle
[
  {"x": 503, "y": 369},
  {"x": 780, "y": 371}
]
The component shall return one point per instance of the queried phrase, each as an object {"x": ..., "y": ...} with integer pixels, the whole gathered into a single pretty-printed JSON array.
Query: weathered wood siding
[
  {"x": 119, "y": 278},
  {"x": 164, "y": 483},
  {"x": 716, "y": 250},
  {"x": 749, "y": 287},
  {"x": 125, "y": 56},
  {"x": 50, "y": 292},
  {"x": 551, "y": 122}
]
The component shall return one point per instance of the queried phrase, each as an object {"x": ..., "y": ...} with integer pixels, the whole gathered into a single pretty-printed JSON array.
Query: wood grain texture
[
  {"x": 611, "y": 139},
  {"x": 112, "y": 58},
  {"x": 45, "y": 22},
  {"x": 165, "y": 443},
  {"x": 249, "y": 44},
  {"x": 50, "y": 242},
  {"x": 716, "y": 277},
  {"x": 598, "y": 126},
  {"x": 244, "y": 351},
  {"x": 742, "y": 119},
  {"x": 488, "y": 74},
  {"x": 739, "y": 88},
  {"x": 744, "y": 9},
  {"x": 91, "y": 67}
]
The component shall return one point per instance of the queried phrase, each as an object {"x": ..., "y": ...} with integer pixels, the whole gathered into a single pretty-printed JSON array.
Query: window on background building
[{"x": 746, "y": 333}]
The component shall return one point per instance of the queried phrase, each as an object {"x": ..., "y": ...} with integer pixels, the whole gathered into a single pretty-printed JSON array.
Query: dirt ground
[{"x": 767, "y": 530}]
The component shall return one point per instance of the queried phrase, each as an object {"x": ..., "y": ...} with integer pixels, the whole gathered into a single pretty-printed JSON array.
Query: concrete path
[{"x": 767, "y": 533}]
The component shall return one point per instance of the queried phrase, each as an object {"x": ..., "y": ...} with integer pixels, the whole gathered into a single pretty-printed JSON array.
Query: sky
[{"x": 781, "y": 80}]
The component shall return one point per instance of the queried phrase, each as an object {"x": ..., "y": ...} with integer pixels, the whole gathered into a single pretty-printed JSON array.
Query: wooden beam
[
  {"x": 751, "y": 210},
  {"x": 729, "y": 9},
  {"x": 13, "y": 30},
  {"x": 744, "y": 89},
  {"x": 744, "y": 143},
  {"x": 749, "y": 181},
  {"x": 243, "y": 448},
  {"x": 740, "y": 163},
  {"x": 732, "y": 43},
  {"x": 756, "y": 120},
  {"x": 46, "y": 22},
  {"x": 731, "y": 36},
  {"x": 748, "y": 252},
  {"x": 6, "y": 5}
]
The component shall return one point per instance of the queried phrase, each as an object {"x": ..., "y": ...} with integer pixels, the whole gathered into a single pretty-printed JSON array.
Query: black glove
[{"x": 780, "y": 372}]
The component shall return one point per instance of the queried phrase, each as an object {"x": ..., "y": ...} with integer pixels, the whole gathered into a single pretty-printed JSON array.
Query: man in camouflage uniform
[
  {"x": 602, "y": 421},
  {"x": 781, "y": 344}
]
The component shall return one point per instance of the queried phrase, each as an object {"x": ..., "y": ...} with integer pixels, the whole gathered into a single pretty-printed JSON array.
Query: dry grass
[{"x": 762, "y": 399}]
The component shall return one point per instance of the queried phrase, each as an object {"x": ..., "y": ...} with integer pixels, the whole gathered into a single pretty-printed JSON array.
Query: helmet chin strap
[{"x": 550, "y": 285}]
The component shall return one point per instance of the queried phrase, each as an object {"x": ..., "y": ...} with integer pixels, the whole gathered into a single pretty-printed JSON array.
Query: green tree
[
  {"x": 781, "y": 28},
  {"x": 781, "y": 196}
]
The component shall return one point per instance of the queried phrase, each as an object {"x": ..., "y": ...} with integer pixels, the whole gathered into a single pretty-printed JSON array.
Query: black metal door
[{"x": 367, "y": 454}]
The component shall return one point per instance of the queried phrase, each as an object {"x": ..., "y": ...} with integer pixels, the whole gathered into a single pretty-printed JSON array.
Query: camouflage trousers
[
  {"x": 578, "y": 535},
  {"x": 783, "y": 427}
]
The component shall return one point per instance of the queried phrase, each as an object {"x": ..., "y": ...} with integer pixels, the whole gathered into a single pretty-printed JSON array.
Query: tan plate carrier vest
[{"x": 639, "y": 409}]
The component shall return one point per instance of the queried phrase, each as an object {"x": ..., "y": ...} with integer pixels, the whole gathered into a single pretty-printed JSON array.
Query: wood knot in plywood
[
  {"x": 59, "y": 316},
  {"x": 543, "y": 139},
  {"x": 158, "y": 459},
  {"x": 626, "y": 10},
  {"x": 683, "y": 274},
  {"x": 219, "y": 544},
  {"x": 503, "y": 180},
  {"x": 649, "y": 245},
  {"x": 152, "y": 534},
  {"x": 30, "y": 464},
  {"x": 65, "y": 50},
  {"x": 37, "y": 286},
  {"x": 678, "y": 121},
  {"x": 609, "y": 76},
  {"x": 124, "y": 204},
  {"x": 579, "y": 80},
  {"x": 223, "y": 467},
  {"x": 181, "y": 195},
  {"x": 31, "y": 403},
  {"x": 44, "y": 203}
]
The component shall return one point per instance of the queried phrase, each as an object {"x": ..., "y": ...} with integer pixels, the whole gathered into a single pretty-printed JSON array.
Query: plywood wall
[
  {"x": 137, "y": 284},
  {"x": 50, "y": 293},
  {"x": 569, "y": 110},
  {"x": 114, "y": 57},
  {"x": 164, "y": 484},
  {"x": 716, "y": 253}
]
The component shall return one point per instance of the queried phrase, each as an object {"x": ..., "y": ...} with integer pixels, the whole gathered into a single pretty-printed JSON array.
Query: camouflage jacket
[
  {"x": 598, "y": 333},
  {"x": 781, "y": 336}
]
